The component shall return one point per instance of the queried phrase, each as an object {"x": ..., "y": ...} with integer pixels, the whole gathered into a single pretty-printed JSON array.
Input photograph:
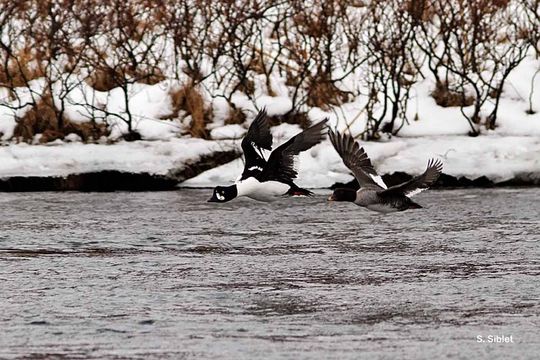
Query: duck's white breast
[{"x": 265, "y": 191}]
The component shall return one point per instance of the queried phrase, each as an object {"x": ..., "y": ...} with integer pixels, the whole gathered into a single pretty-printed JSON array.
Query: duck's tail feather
[{"x": 414, "y": 205}]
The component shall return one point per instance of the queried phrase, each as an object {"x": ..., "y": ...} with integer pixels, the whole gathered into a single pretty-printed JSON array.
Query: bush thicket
[{"x": 327, "y": 52}]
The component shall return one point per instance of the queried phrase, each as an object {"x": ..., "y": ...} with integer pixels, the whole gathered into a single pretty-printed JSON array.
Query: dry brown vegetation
[
  {"x": 236, "y": 116},
  {"x": 446, "y": 97},
  {"x": 388, "y": 45},
  {"x": 324, "y": 93},
  {"x": 21, "y": 69},
  {"x": 299, "y": 118},
  {"x": 41, "y": 119},
  {"x": 190, "y": 100}
]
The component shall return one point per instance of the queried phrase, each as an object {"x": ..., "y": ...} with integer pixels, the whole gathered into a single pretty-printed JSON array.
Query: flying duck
[
  {"x": 266, "y": 180},
  {"x": 373, "y": 193}
]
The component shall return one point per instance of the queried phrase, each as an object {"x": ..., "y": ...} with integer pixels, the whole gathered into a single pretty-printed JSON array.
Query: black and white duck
[{"x": 267, "y": 180}]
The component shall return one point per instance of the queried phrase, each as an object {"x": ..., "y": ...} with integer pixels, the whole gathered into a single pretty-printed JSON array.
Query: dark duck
[
  {"x": 373, "y": 193},
  {"x": 267, "y": 180}
]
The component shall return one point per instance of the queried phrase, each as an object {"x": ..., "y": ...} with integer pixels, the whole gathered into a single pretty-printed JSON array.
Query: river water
[{"x": 167, "y": 275}]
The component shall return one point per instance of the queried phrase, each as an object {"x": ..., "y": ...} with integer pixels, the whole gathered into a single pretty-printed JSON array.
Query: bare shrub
[
  {"x": 328, "y": 52},
  {"x": 481, "y": 46},
  {"x": 320, "y": 42},
  {"x": 128, "y": 50},
  {"x": 531, "y": 10},
  {"x": 191, "y": 25},
  {"x": 392, "y": 65},
  {"x": 18, "y": 66}
]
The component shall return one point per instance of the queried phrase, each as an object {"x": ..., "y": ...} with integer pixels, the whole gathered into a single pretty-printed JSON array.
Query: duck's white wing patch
[
  {"x": 379, "y": 181},
  {"x": 415, "y": 192}
]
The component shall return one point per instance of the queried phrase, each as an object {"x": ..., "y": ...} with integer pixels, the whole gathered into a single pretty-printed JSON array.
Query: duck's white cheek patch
[{"x": 220, "y": 197}]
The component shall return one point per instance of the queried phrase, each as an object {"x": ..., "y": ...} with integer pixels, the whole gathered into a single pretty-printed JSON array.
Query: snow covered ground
[
  {"x": 500, "y": 158},
  {"x": 61, "y": 159}
]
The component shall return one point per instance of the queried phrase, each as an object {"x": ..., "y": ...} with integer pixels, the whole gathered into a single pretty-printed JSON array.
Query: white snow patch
[
  {"x": 275, "y": 105},
  {"x": 7, "y": 123},
  {"x": 234, "y": 131},
  {"x": 72, "y": 138},
  {"x": 147, "y": 104},
  {"x": 61, "y": 159},
  {"x": 221, "y": 175}
]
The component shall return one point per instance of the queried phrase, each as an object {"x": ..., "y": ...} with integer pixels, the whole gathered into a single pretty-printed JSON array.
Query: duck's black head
[
  {"x": 342, "y": 194},
  {"x": 223, "y": 194}
]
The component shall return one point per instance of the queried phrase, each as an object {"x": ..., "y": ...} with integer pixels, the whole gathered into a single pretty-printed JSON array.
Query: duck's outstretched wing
[
  {"x": 419, "y": 183},
  {"x": 280, "y": 165},
  {"x": 356, "y": 159},
  {"x": 258, "y": 137}
]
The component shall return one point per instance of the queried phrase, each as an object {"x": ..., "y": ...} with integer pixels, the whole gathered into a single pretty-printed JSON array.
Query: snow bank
[
  {"x": 61, "y": 159},
  {"x": 234, "y": 131},
  {"x": 499, "y": 158}
]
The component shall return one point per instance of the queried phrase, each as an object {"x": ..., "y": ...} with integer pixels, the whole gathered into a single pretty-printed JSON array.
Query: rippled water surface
[{"x": 167, "y": 275}]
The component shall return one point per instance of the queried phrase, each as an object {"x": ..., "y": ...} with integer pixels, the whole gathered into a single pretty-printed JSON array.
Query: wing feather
[
  {"x": 258, "y": 134},
  {"x": 419, "y": 183},
  {"x": 258, "y": 137},
  {"x": 356, "y": 159},
  {"x": 281, "y": 161}
]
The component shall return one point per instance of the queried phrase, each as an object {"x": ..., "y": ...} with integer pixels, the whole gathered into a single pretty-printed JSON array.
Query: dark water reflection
[{"x": 167, "y": 275}]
